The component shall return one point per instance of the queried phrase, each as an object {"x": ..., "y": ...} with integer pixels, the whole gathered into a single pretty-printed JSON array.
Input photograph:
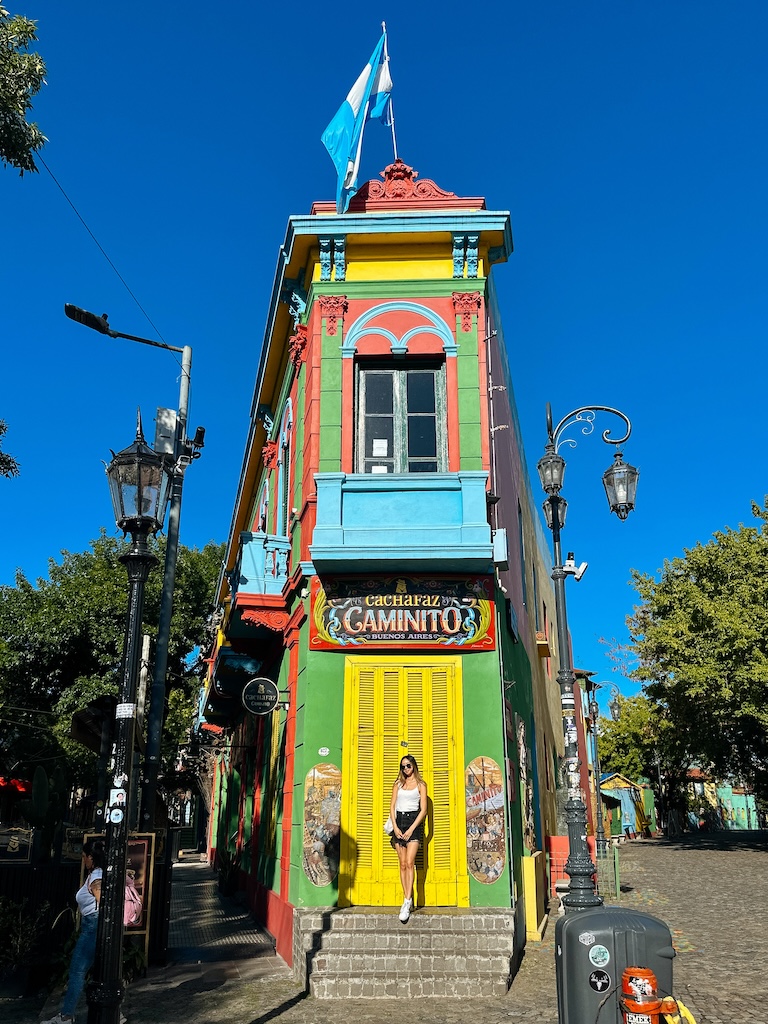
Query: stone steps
[{"x": 367, "y": 953}]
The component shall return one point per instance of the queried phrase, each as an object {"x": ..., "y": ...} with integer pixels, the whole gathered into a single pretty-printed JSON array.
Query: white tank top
[{"x": 408, "y": 799}]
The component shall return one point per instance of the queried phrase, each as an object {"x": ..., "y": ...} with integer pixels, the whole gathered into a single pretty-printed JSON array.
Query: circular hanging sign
[{"x": 260, "y": 696}]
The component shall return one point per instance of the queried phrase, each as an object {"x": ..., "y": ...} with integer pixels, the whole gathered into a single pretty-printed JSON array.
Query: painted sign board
[
  {"x": 260, "y": 696},
  {"x": 411, "y": 612}
]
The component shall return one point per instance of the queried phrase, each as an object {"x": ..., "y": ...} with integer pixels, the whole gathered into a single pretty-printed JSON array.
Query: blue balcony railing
[
  {"x": 410, "y": 521},
  {"x": 262, "y": 564}
]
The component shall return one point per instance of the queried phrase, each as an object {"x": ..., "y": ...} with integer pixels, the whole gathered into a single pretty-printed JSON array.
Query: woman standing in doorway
[{"x": 407, "y": 809}]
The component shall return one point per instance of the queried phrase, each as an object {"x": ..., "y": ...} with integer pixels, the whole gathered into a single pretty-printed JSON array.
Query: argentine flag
[{"x": 368, "y": 98}]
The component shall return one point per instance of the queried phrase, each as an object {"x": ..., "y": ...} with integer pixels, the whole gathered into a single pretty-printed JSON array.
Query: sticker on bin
[
  {"x": 599, "y": 956},
  {"x": 599, "y": 981},
  {"x": 587, "y": 938},
  {"x": 638, "y": 1018}
]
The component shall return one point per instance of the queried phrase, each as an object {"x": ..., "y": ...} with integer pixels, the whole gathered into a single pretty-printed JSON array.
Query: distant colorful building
[{"x": 387, "y": 572}]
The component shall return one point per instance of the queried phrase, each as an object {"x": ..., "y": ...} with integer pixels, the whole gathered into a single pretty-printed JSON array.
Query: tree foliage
[
  {"x": 22, "y": 75},
  {"x": 8, "y": 465},
  {"x": 701, "y": 640},
  {"x": 61, "y": 646}
]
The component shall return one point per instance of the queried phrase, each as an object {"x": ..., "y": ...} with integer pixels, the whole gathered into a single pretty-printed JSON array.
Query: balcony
[
  {"x": 262, "y": 564},
  {"x": 416, "y": 522}
]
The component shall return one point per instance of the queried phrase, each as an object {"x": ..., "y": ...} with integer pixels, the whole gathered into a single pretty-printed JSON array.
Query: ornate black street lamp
[
  {"x": 620, "y": 482},
  {"x": 185, "y": 450},
  {"x": 139, "y": 482}
]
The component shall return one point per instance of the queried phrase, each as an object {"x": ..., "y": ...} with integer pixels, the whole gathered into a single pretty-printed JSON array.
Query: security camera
[{"x": 572, "y": 569}]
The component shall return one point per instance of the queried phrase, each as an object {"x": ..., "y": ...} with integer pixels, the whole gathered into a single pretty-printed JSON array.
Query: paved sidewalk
[{"x": 712, "y": 891}]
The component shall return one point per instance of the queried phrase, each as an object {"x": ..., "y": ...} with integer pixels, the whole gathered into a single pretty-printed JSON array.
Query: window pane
[
  {"x": 422, "y": 467},
  {"x": 378, "y": 437},
  {"x": 421, "y": 391},
  {"x": 422, "y": 437},
  {"x": 378, "y": 392}
]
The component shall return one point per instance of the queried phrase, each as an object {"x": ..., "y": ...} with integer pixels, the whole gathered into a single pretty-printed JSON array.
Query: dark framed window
[{"x": 401, "y": 419}]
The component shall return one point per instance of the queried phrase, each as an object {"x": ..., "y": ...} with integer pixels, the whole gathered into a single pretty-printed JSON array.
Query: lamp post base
[{"x": 104, "y": 1001}]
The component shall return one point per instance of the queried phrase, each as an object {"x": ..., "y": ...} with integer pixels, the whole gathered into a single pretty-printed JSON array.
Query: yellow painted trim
[
  {"x": 399, "y": 270},
  {"x": 368, "y": 872},
  {"x": 534, "y": 878}
]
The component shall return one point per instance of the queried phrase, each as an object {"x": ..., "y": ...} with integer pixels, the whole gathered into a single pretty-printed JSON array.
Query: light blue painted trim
[
  {"x": 451, "y": 222},
  {"x": 430, "y": 522},
  {"x": 399, "y": 346},
  {"x": 340, "y": 257},
  {"x": 459, "y": 243}
]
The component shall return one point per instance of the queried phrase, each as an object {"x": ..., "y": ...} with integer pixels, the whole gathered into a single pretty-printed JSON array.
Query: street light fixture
[
  {"x": 139, "y": 483},
  {"x": 620, "y": 482},
  {"x": 184, "y": 452}
]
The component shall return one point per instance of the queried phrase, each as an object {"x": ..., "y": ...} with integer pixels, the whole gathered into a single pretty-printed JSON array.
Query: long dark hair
[
  {"x": 95, "y": 848},
  {"x": 402, "y": 777}
]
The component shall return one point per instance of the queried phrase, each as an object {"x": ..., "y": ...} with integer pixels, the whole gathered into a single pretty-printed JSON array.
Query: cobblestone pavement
[{"x": 712, "y": 891}]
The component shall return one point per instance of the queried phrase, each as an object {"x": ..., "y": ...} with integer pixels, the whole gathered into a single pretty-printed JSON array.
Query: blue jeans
[{"x": 82, "y": 960}]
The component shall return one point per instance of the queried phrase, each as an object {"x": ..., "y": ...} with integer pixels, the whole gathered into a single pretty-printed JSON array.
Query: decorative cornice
[
  {"x": 297, "y": 345},
  {"x": 270, "y": 454},
  {"x": 333, "y": 308},
  {"x": 466, "y": 304},
  {"x": 274, "y": 621}
]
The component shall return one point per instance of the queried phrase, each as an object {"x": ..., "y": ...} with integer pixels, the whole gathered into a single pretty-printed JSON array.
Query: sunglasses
[{"x": 406, "y": 766}]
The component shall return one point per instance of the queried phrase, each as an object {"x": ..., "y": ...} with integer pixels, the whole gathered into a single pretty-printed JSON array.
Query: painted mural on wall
[
  {"x": 403, "y": 612},
  {"x": 526, "y": 787},
  {"x": 322, "y": 811},
  {"x": 486, "y": 849}
]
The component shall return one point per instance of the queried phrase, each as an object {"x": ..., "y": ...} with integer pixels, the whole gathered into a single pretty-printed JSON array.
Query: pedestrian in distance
[
  {"x": 88, "y": 897},
  {"x": 407, "y": 809}
]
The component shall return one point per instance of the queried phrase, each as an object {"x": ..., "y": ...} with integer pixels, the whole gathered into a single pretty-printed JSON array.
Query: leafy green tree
[
  {"x": 643, "y": 744},
  {"x": 8, "y": 465},
  {"x": 61, "y": 646},
  {"x": 22, "y": 75},
  {"x": 701, "y": 640}
]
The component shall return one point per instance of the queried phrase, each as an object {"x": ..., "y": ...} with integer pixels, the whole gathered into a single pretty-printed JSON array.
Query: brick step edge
[
  {"x": 436, "y": 943},
  {"x": 407, "y": 988},
  {"x": 408, "y": 965},
  {"x": 420, "y": 918}
]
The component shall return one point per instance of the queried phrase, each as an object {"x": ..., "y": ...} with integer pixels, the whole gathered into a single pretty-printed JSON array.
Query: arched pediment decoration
[{"x": 432, "y": 324}]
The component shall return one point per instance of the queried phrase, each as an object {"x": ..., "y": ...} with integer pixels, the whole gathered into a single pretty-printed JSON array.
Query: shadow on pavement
[{"x": 278, "y": 1010}]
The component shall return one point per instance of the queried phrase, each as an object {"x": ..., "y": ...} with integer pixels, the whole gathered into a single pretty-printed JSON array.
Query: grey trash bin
[{"x": 592, "y": 949}]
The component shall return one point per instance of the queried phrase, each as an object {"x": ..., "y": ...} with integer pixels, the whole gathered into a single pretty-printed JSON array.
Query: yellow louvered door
[{"x": 396, "y": 706}]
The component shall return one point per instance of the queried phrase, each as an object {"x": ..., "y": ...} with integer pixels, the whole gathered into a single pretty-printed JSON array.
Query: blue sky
[{"x": 626, "y": 139}]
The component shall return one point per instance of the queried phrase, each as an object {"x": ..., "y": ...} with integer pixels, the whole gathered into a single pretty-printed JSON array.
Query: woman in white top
[
  {"x": 88, "y": 897},
  {"x": 407, "y": 809}
]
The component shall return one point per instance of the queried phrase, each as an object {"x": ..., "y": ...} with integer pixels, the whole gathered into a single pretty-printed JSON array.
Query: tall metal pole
[
  {"x": 594, "y": 714},
  {"x": 581, "y": 893},
  {"x": 184, "y": 451},
  {"x": 156, "y": 714},
  {"x": 105, "y": 992},
  {"x": 620, "y": 482}
]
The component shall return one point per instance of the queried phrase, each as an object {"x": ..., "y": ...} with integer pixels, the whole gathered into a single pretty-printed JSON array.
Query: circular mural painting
[
  {"x": 486, "y": 848},
  {"x": 322, "y": 810}
]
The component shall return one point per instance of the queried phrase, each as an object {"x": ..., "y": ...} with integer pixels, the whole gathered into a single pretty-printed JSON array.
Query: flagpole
[{"x": 391, "y": 107}]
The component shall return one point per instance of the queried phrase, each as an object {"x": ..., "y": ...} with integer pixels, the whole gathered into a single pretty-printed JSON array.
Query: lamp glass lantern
[
  {"x": 562, "y": 509},
  {"x": 139, "y": 484},
  {"x": 551, "y": 467},
  {"x": 620, "y": 482}
]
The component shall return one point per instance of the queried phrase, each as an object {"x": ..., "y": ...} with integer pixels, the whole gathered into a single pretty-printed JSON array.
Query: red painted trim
[
  {"x": 292, "y": 641},
  {"x": 276, "y": 915},
  {"x": 482, "y": 360}
]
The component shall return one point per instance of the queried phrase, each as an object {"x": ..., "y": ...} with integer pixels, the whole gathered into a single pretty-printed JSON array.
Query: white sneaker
[
  {"x": 405, "y": 910},
  {"x": 58, "y": 1019}
]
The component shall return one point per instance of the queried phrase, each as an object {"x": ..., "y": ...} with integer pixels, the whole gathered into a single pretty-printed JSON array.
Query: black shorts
[{"x": 404, "y": 821}]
